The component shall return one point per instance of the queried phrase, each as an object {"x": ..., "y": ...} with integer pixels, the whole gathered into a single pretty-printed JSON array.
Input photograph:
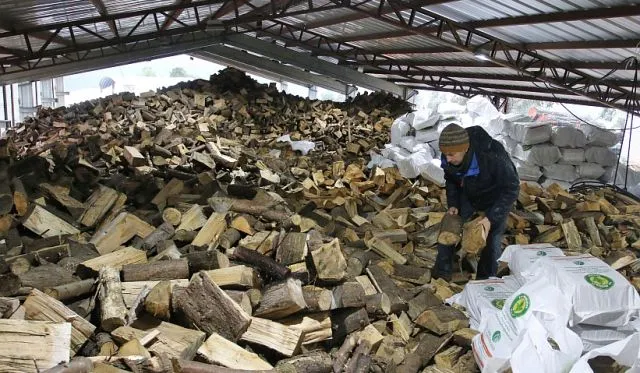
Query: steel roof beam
[
  {"x": 267, "y": 68},
  {"x": 402, "y": 63},
  {"x": 102, "y": 9},
  {"x": 506, "y": 55},
  {"x": 574, "y": 15},
  {"x": 357, "y": 16},
  {"x": 174, "y": 14},
  {"x": 310, "y": 40},
  {"x": 96, "y": 60},
  {"x": 284, "y": 55}
]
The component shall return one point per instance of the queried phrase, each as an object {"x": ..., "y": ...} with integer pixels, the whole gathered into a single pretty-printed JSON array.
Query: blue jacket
[{"x": 491, "y": 183}]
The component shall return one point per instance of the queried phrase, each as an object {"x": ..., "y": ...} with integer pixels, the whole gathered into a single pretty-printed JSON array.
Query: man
[{"x": 480, "y": 177}]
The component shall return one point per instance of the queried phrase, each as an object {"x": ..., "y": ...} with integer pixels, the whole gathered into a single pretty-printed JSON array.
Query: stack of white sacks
[
  {"x": 561, "y": 149},
  {"x": 414, "y": 137},
  {"x": 552, "y": 314}
]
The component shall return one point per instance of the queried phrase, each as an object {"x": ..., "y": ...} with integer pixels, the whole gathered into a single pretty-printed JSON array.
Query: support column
[{"x": 313, "y": 92}]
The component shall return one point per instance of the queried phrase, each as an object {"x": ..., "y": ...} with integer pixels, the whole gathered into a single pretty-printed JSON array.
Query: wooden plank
[
  {"x": 98, "y": 205},
  {"x": 32, "y": 346},
  {"x": 42, "y": 222},
  {"x": 173, "y": 341},
  {"x": 211, "y": 231},
  {"x": 278, "y": 337},
  {"x": 217, "y": 350},
  {"x": 124, "y": 227}
]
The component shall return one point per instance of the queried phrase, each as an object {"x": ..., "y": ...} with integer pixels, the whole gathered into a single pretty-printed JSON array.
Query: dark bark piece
[
  {"x": 265, "y": 264},
  {"x": 347, "y": 320},
  {"x": 229, "y": 238},
  {"x": 46, "y": 276},
  {"x": 164, "y": 232},
  {"x": 311, "y": 362},
  {"x": 427, "y": 348},
  {"x": 156, "y": 271},
  {"x": 450, "y": 230},
  {"x": 210, "y": 309},
  {"x": 206, "y": 260},
  {"x": 349, "y": 294}
]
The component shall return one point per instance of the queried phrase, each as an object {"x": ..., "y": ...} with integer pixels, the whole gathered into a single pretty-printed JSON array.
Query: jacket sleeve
[
  {"x": 504, "y": 173},
  {"x": 453, "y": 192}
]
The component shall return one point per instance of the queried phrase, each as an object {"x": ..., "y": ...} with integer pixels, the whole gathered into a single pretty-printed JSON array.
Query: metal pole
[
  {"x": 13, "y": 109},
  {"x": 4, "y": 102}
]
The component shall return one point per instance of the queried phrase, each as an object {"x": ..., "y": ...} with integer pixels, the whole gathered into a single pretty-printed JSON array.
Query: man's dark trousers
[{"x": 488, "y": 263}]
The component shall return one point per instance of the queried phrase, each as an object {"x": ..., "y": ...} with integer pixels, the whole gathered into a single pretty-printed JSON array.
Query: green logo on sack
[
  {"x": 541, "y": 253},
  {"x": 498, "y": 303},
  {"x": 489, "y": 288},
  {"x": 601, "y": 282},
  {"x": 495, "y": 337},
  {"x": 578, "y": 262},
  {"x": 520, "y": 305}
]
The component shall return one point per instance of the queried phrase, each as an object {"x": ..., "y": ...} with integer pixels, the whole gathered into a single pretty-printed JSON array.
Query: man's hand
[{"x": 452, "y": 211}]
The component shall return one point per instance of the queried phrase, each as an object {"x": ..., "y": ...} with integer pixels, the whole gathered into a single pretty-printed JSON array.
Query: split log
[
  {"x": 292, "y": 249},
  {"x": 173, "y": 187},
  {"x": 218, "y": 350},
  {"x": 349, "y": 294},
  {"x": 132, "y": 290},
  {"x": 164, "y": 232},
  {"x": 317, "y": 298},
  {"x": 551, "y": 235},
  {"x": 244, "y": 224},
  {"x": 115, "y": 259},
  {"x": 51, "y": 254},
  {"x": 120, "y": 230},
  {"x": 98, "y": 205},
  {"x": 250, "y": 207},
  {"x": 311, "y": 362},
  {"x": 172, "y": 216},
  {"x": 442, "y": 320},
  {"x": 226, "y": 319},
  {"x": 41, "y": 307},
  {"x": 158, "y": 302},
  {"x": 242, "y": 299},
  {"x": 9, "y": 285},
  {"x": 423, "y": 301},
  {"x": 30, "y": 346},
  {"x": 229, "y": 238},
  {"x": 265, "y": 264},
  {"x": 263, "y": 242},
  {"x": 211, "y": 231},
  {"x": 281, "y": 300},
  {"x": 133, "y": 157},
  {"x": 20, "y": 197},
  {"x": 44, "y": 276},
  {"x": 386, "y": 250},
  {"x": 428, "y": 346},
  {"x": 463, "y": 337},
  {"x": 236, "y": 277},
  {"x": 193, "y": 219},
  {"x": 218, "y": 157},
  {"x": 43, "y": 223},
  {"x": 385, "y": 284},
  {"x": 474, "y": 236},
  {"x": 77, "y": 365},
  {"x": 316, "y": 327},
  {"x": 571, "y": 235},
  {"x": 186, "y": 366},
  {"x": 329, "y": 262},
  {"x": 206, "y": 260},
  {"x": 6, "y": 198},
  {"x": 19, "y": 265},
  {"x": 378, "y": 305},
  {"x": 8, "y": 306},
  {"x": 450, "y": 230},
  {"x": 71, "y": 290},
  {"x": 112, "y": 310},
  {"x": 347, "y": 320},
  {"x": 275, "y": 336},
  {"x": 173, "y": 341},
  {"x": 160, "y": 270}
]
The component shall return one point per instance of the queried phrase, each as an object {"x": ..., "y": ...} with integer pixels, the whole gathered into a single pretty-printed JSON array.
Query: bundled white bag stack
[
  {"x": 553, "y": 309},
  {"x": 560, "y": 148}
]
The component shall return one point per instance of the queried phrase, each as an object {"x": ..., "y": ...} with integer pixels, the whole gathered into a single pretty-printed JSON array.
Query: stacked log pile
[{"x": 172, "y": 233}]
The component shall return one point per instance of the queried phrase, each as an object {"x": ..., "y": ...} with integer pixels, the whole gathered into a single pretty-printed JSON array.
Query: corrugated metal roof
[{"x": 306, "y": 27}]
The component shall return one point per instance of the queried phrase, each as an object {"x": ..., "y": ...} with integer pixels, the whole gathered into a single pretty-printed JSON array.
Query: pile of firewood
[{"x": 172, "y": 233}]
